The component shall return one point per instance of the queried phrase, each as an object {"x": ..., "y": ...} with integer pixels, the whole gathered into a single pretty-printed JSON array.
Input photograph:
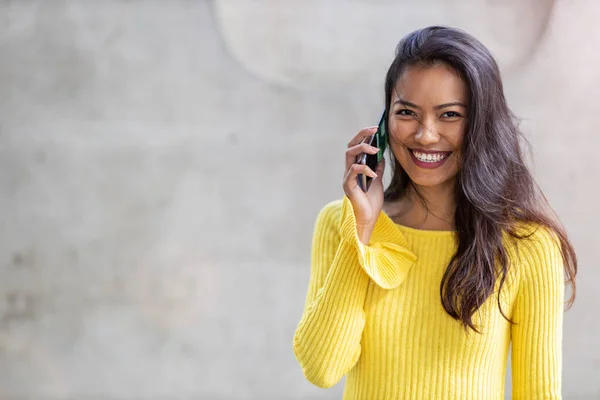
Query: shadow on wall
[{"x": 296, "y": 48}]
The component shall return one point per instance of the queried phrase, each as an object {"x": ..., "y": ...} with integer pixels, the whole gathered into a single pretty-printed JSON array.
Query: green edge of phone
[{"x": 379, "y": 140}]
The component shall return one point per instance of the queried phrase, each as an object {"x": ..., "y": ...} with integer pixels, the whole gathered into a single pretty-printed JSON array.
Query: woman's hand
[{"x": 366, "y": 206}]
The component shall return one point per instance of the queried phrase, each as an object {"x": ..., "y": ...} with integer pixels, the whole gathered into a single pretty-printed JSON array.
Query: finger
[
  {"x": 361, "y": 135},
  {"x": 356, "y": 169},
  {"x": 355, "y": 151},
  {"x": 351, "y": 179}
]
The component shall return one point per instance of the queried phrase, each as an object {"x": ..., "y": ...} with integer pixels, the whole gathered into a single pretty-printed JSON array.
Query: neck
[{"x": 432, "y": 208}]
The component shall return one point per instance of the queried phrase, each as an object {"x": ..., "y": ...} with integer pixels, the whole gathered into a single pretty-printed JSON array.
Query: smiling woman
[{"x": 417, "y": 291}]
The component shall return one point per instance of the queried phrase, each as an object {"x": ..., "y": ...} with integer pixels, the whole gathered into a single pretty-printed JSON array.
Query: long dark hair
[{"x": 495, "y": 192}]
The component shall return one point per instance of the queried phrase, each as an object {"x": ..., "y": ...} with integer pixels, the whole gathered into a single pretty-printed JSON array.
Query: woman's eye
[
  {"x": 405, "y": 112},
  {"x": 451, "y": 114}
]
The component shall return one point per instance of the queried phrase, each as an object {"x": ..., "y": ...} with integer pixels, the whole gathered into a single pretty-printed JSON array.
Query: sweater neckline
[{"x": 424, "y": 232}]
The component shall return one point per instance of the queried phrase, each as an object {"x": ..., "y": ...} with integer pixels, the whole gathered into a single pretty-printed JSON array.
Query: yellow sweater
[{"x": 374, "y": 313}]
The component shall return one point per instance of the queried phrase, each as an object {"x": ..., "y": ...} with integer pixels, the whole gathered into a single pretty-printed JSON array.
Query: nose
[{"x": 427, "y": 133}]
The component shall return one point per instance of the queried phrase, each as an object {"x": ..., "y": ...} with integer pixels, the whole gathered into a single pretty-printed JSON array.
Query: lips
[{"x": 428, "y": 158}]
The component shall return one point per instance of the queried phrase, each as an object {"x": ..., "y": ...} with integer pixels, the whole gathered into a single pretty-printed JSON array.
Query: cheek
[
  {"x": 400, "y": 132},
  {"x": 457, "y": 135},
  {"x": 454, "y": 163}
]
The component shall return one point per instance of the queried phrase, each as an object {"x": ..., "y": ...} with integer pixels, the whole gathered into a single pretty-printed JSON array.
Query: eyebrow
[{"x": 445, "y": 105}]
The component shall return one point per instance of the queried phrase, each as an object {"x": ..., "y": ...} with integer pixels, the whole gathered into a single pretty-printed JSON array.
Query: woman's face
[{"x": 427, "y": 122}]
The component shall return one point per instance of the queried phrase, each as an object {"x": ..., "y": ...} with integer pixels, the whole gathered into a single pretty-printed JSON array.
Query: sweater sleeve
[
  {"x": 327, "y": 339},
  {"x": 538, "y": 314}
]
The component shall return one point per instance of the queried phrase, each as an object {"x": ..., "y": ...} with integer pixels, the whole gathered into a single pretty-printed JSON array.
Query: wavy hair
[{"x": 495, "y": 191}]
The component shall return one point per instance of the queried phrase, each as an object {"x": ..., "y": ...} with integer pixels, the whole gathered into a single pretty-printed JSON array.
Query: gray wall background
[{"x": 162, "y": 163}]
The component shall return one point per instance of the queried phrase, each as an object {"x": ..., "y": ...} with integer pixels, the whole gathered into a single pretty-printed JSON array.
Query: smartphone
[{"x": 379, "y": 140}]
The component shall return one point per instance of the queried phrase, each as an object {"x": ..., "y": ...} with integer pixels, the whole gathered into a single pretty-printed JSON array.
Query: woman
[{"x": 418, "y": 291}]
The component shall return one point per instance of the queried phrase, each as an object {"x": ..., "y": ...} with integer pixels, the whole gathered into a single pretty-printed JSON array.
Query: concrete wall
[{"x": 162, "y": 163}]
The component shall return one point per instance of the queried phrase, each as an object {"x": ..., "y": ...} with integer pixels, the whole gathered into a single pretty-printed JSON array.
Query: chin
[
  {"x": 430, "y": 182},
  {"x": 443, "y": 176}
]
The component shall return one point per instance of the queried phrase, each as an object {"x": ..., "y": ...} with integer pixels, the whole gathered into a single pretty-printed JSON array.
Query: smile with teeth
[{"x": 430, "y": 157}]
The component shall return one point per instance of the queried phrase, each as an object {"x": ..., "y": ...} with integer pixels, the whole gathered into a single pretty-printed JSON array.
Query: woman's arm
[
  {"x": 327, "y": 339},
  {"x": 538, "y": 314}
]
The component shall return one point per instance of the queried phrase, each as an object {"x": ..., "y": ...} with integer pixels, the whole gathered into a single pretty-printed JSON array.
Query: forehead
[{"x": 431, "y": 85}]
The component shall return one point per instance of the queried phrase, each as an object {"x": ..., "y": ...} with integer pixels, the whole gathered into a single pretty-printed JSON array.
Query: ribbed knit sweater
[{"x": 373, "y": 313}]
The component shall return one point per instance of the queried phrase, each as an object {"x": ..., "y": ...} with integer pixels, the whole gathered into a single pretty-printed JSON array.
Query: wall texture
[{"x": 162, "y": 163}]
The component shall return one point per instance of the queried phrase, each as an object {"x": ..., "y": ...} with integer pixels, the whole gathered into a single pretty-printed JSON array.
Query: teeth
[{"x": 431, "y": 158}]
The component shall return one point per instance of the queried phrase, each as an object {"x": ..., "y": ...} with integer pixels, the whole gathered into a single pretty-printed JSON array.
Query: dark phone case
[{"x": 379, "y": 140}]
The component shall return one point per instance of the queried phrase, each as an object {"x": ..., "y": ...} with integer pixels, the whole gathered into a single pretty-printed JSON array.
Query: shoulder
[
  {"x": 536, "y": 238},
  {"x": 329, "y": 217},
  {"x": 538, "y": 250},
  {"x": 331, "y": 211}
]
